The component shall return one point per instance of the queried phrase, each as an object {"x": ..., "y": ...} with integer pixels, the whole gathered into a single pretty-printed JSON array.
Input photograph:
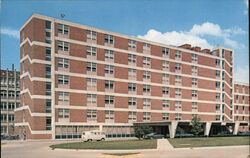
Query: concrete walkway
[{"x": 163, "y": 144}]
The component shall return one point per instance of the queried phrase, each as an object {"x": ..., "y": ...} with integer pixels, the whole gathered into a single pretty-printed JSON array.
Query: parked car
[
  {"x": 93, "y": 135},
  {"x": 154, "y": 136},
  {"x": 184, "y": 135},
  {"x": 224, "y": 133},
  {"x": 244, "y": 133}
]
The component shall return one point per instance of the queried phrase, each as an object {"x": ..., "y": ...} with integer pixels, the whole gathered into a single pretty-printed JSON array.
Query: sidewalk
[{"x": 163, "y": 144}]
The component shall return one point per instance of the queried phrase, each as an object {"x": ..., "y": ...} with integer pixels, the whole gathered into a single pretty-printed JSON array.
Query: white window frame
[
  {"x": 146, "y": 102},
  {"x": 64, "y": 28},
  {"x": 109, "y": 54},
  {"x": 63, "y": 46},
  {"x": 91, "y": 67},
  {"x": 109, "y": 39},
  {"x": 91, "y": 82},
  {"x": 109, "y": 69},
  {"x": 146, "y": 75},
  {"x": 91, "y": 114},
  {"x": 63, "y": 113},
  {"x": 110, "y": 99},
  {"x": 63, "y": 63},
  {"x": 91, "y": 51},
  {"x": 91, "y": 98},
  {"x": 146, "y": 88},
  {"x": 63, "y": 96},
  {"x": 146, "y": 61},
  {"x": 131, "y": 43},
  {"x": 177, "y": 92},
  {"x": 132, "y": 87},
  {"x": 165, "y": 90},
  {"x": 91, "y": 35},
  {"x": 64, "y": 79},
  {"x": 132, "y": 101}
]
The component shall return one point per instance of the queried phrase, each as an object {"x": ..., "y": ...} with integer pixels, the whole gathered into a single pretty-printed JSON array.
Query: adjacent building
[
  {"x": 76, "y": 78},
  {"x": 10, "y": 90}
]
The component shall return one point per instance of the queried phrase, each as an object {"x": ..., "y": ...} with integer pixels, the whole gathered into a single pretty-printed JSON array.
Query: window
[
  {"x": 165, "y": 65},
  {"x": 48, "y": 37},
  {"x": 109, "y": 69},
  {"x": 217, "y": 96},
  {"x": 217, "y": 62},
  {"x": 165, "y": 90},
  {"x": 146, "y": 102},
  {"x": 132, "y": 87},
  {"x": 132, "y": 73},
  {"x": 109, "y": 99},
  {"x": 178, "y": 54},
  {"x": 146, "y": 116},
  {"x": 48, "y": 71},
  {"x": 178, "y": 92},
  {"x": 217, "y": 117},
  {"x": 132, "y": 116},
  {"x": 217, "y": 107},
  {"x": 48, "y": 25},
  {"x": 194, "y": 106},
  {"x": 10, "y": 117},
  {"x": 109, "y": 114},
  {"x": 91, "y": 82},
  {"x": 63, "y": 113},
  {"x": 223, "y": 53},
  {"x": 48, "y": 54},
  {"x": 48, "y": 106},
  {"x": 91, "y": 114},
  {"x": 194, "y": 81},
  {"x": 223, "y": 65},
  {"x": 146, "y": 88},
  {"x": 194, "y": 57},
  {"x": 178, "y": 105},
  {"x": 91, "y": 67},
  {"x": 131, "y": 58},
  {"x": 165, "y": 104},
  {"x": 63, "y": 63},
  {"x": 194, "y": 70},
  {"x": 48, "y": 88},
  {"x": 217, "y": 73},
  {"x": 109, "y": 39},
  {"x": 178, "y": 116},
  {"x": 11, "y": 106},
  {"x": 109, "y": 54},
  {"x": 63, "y": 79},
  {"x": 109, "y": 84},
  {"x": 146, "y": 46},
  {"x": 91, "y": 98},
  {"x": 131, "y": 44},
  {"x": 63, "y": 29},
  {"x": 165, "y": 77},
  {"x": 63, "y": 46},
  {"x": 48, "y": 123},
  {"x": 91, "y": 35},
  {"x": 178, "y": 67},
  {"x": 165, "y": 116},
  {"x": 131, "y": 101},
  {"x": 91, "y": 51},
  {"x": 223, "y": 75},
  {"x": 63, "y": 96},
  {"x": 3, "y": 105},
  {"x": 217, "y": 85},
  {"x": 178, "y": 80},
  {"x": 146, "y": 61},
  {"x": 194, "y": 93},
  {"x": 146, "y": 74},
  {"x": 165, "y": 51}
]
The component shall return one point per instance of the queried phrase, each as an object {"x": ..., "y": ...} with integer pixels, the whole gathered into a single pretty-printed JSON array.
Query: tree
[
  {"x": 196, "y": 126},
  {"x": 141, "y": 131}
]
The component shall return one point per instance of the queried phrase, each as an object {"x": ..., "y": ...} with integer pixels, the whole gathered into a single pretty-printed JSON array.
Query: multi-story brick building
[
  {"x": 241, "y": 105},
  {"x": 76, "y": 78},
  {"x": 10, "y": 89}
]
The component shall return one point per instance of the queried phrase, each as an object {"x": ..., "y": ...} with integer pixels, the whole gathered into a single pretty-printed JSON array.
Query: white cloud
[
  {"x": 175, "y": 38},
  {"x": 10, "y": 32},
  {"x": 197, "y": 36},
  {"x": 207, "y": 28},
  {"x": 242, "y": 74}
]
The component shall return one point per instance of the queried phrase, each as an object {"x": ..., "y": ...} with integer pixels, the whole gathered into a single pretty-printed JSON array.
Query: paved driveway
[{"x": 40, "y": 149}]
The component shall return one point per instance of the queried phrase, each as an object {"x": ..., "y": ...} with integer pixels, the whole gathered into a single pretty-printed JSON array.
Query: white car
[{"x": 93, "y": 135}]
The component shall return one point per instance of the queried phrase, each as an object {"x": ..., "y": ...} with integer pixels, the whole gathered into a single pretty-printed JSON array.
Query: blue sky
[{"x": 206, "y": 23}]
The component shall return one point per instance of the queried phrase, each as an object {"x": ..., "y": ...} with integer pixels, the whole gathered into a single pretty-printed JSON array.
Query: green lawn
[
  {"x": 206, "y": 142},
  {"x": 110, "y": 145}
]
